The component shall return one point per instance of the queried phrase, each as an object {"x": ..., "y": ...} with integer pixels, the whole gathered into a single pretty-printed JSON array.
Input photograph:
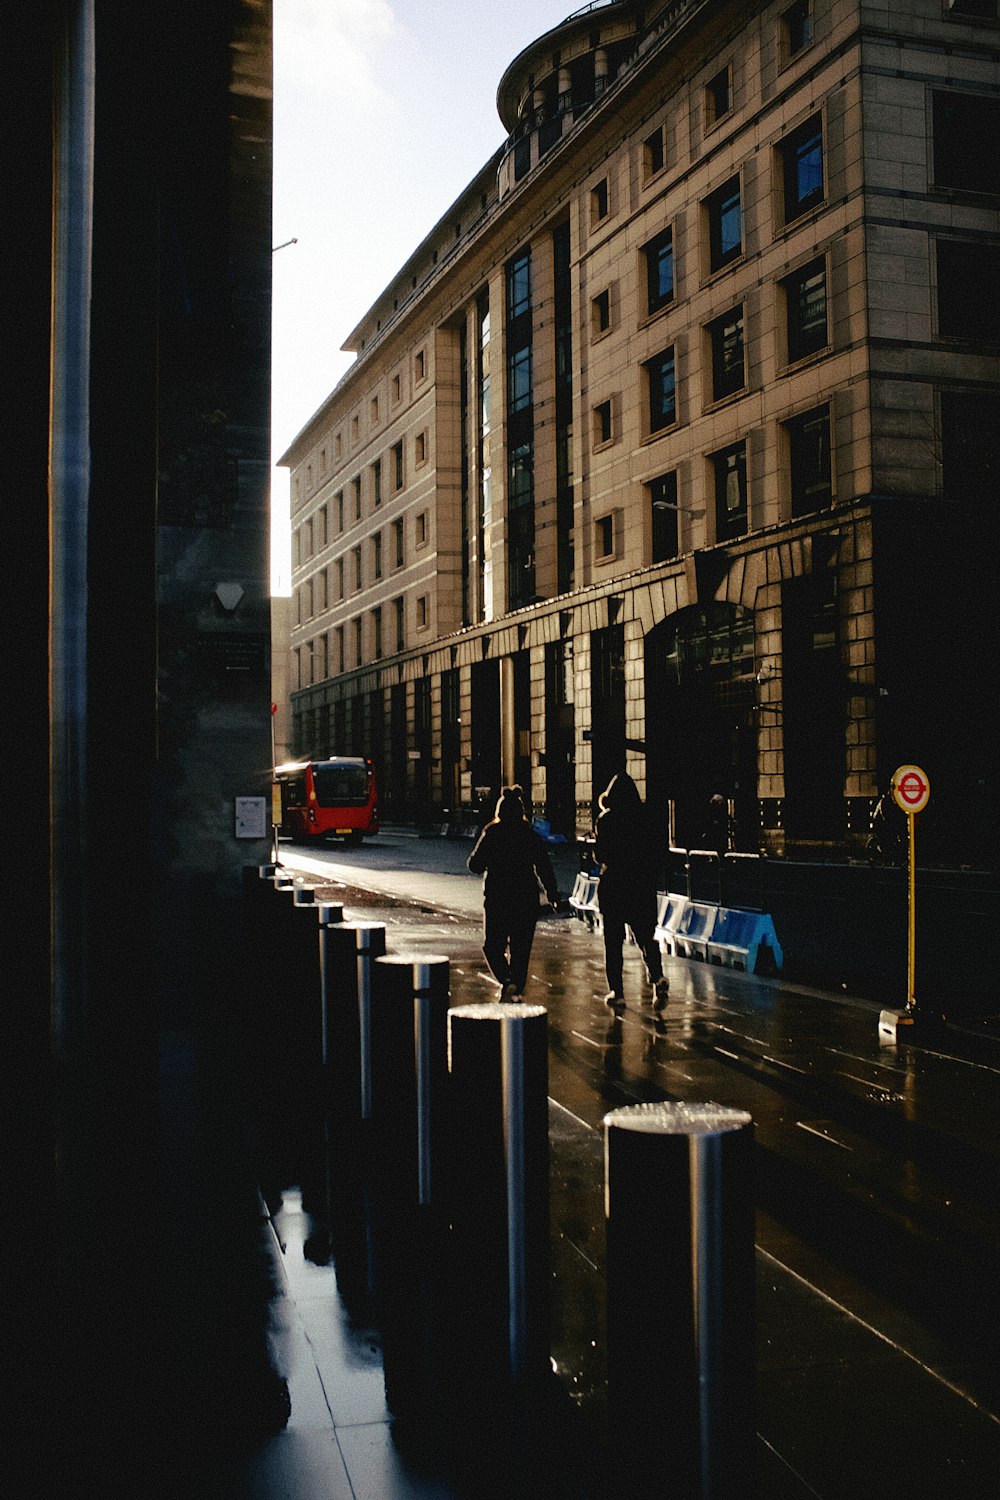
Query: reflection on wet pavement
[{"x": 878, "y": 1219}]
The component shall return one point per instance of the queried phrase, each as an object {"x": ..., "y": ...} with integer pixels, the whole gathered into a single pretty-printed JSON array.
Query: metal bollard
[
  {"x": 348, "y": 951},
  {"x": 498, "y": 1060},
  {"x": 679, "y": 1206},
  {"x": 278, "y": 989},
  {"x": 410, "y": 1135},
  {"x": 319, "y": 1243}
]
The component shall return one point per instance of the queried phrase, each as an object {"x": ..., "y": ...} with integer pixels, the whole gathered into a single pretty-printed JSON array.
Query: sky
[{"x": 383, "y": 111}]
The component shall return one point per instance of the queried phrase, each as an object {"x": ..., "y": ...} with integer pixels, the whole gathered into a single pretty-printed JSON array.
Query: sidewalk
[{"x": 855, "y": 1396}]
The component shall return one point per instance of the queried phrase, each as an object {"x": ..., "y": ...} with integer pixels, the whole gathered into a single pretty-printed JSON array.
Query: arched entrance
[{"x": 700, "y": 724}]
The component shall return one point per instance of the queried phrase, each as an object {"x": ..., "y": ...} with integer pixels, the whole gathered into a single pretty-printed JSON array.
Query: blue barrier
[
  {"x": 737, "y": 937},
  {"x": 732, "y": 937},
  {"x": 583, "y": 899},
  {"x": 669, "y": 910},
  {"x": 543, "y": 827},
  {"x": 693, "y": 931}
]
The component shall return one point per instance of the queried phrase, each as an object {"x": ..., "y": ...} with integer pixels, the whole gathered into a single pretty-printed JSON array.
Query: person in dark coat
[
  {"x": 716, "y": 834},
  {"x": 515, "y": 865},
  {"x": 626, "y": 889}
]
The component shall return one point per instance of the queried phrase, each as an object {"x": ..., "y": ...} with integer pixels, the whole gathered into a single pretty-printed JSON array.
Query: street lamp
[{"x": 696, "y": 514}]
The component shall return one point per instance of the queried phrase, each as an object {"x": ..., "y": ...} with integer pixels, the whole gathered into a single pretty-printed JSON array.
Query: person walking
[
  {"x": 716, "y": 834},
  {"x": 515, "y": 865},
  {"x": 626, "y": 889}
]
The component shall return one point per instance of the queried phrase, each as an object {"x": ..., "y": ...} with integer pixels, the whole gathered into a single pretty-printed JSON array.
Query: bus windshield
[{"x": 340, "y": 783}]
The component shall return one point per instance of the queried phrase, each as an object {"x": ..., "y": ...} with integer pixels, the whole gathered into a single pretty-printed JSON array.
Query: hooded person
[
  {"x": 626, "y": 891},
  {"x": 516, "y": 867}
]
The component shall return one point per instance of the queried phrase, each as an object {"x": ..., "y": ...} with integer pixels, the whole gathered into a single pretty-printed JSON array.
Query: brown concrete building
[{"x": 673, "y": 446}]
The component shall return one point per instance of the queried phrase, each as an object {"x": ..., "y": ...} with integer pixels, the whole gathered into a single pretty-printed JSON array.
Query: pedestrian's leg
[
  {"x": 495, "y": 944},
  {"x": 522, "y": 934},
  {"x": 613, "y": 925},
  {"x": 643, "y": 925}
]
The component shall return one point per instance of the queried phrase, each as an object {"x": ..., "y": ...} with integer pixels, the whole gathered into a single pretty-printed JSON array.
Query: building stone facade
[{"x": 672, "y": 446}]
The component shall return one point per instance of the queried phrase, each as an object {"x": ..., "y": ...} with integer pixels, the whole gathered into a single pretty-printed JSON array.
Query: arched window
[{"x": 713, "y": 636}]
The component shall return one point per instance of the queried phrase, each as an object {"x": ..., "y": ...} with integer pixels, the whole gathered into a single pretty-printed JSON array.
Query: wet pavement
[{"x": 877, "y": 1231}]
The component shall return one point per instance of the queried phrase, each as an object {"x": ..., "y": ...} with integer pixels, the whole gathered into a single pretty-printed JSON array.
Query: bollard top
[
  {"x": 408, "y": 959},
  {"x": 330, "y": 913},
  {"x": 305, "y": 895},
  {"x": 492, "y": 1010},
  {"x": 678, "y": 1119}
]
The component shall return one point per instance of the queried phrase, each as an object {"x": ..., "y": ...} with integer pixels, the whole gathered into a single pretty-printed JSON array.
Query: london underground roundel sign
[{"x": 910, "y": 789}]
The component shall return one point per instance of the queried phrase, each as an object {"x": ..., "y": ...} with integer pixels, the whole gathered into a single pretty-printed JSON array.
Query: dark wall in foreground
[{"x": 139, "y": 287}]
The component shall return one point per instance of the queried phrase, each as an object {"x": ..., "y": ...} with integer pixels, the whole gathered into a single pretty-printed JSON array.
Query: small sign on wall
[{"x": 251, "y": 817}]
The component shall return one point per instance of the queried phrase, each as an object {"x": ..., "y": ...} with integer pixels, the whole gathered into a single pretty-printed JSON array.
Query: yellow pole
[{"x": 911, "y": 951}]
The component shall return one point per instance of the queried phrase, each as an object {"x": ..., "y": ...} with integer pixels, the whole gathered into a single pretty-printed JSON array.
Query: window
[
  {"x": 663, "y": 513},
  {"x": 796, "y": 25},
  {"x": 519, "y": 378},
  {"x": 323, "y": 661},
  {"x": 339, "y": 633},
  {"x": 356, "y": 482},
  {"x": 356, "y": 555},
  {"x": 377, "y": 555},
  {"x": 970, "y": 450},
  {"x": 397, "y": 605},
  {"x": 324, "y": 591},
  {"x": 422, "y": 529},
  {"x": 324, "y": 526},
  {"x": 662, "y": 393},
  {"x": 397, "y": 465},
  {"x": 599, "y": 202},
  {"x": 966, "y": 128},
  {"x": 420, "y": 448},
  {"x": 340, "y": 577},
  {"x": 653, "y": 157},
  {"x": 982, "y": 10},
  {"x": 659, "y": 257},
  {"x": 338, "y": 445},
  {"x": 805, "y": 309},
  {"x": 730, "y": 467},
  {"x": 322, "y": 460},
  {"x": 422, "y": 612},
  {"x": 357, "y": 642},
  {"x": 397, "y": 531},
  {"x": 377, "y": 482},
  {"x": 602, "y": 423},
  {"x": 604, "y": 538},
  {"x": 396, "y": 389},
  {"x": 419, "y": 365},
  {"x": 726, "y": 338},
  {"x": 377, "y": 632},
  {"x": 968, "y": 291},
  {"x": 374, "y": 410},
  {"x": 338, "y": 501},
  {"x": 519, "y": 285},
  {"x": 725, "y": 225},
  {"x": 718, "y": 97},
  {"x": 802, "y": 172},
  {"x": 310, "y": 600},
  {"x": 600, "y": 309},
  {"x": 355, "y": 429},
  {"x": 309, "y": 538},
  {"x": 809, "y": 460}
]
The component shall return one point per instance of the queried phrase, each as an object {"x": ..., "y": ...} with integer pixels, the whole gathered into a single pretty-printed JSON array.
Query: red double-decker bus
[{"x": 334, "y": 798}]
